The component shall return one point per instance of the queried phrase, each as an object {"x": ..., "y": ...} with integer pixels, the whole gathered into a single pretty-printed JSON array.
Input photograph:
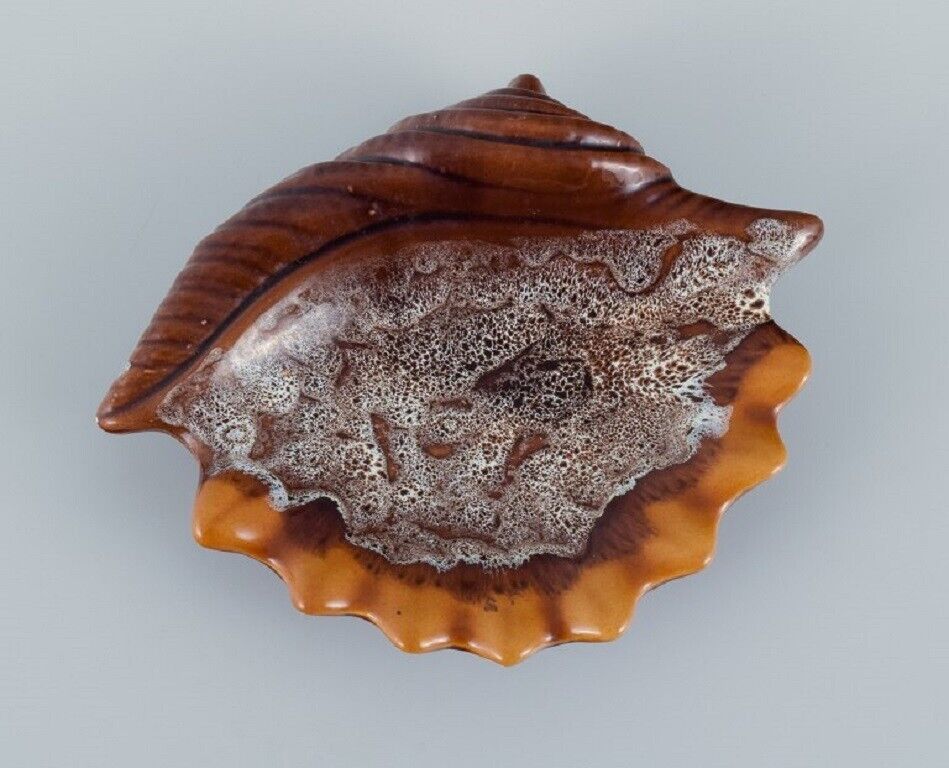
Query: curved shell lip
[{"x": 597, "y": 608}]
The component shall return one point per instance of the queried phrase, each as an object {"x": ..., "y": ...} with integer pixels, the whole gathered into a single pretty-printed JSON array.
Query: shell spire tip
[{"x": 528, "y": 83}]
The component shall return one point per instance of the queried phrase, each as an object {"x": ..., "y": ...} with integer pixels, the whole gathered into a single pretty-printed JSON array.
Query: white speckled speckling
[{"x": 482, "y": 403}]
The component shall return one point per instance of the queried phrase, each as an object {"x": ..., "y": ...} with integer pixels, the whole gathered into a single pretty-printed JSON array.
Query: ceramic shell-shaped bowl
[{"x": 511, "y": 174}]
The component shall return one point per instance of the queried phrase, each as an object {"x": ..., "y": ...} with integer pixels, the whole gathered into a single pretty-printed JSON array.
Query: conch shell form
[{"x": 473, "y": 207}]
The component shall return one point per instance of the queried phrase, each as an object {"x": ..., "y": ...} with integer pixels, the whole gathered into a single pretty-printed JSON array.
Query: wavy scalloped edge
[{"x": 597, "y": 607}]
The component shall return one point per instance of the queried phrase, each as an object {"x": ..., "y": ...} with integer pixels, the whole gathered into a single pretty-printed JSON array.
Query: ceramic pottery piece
[{"x": 482, "y": 380}]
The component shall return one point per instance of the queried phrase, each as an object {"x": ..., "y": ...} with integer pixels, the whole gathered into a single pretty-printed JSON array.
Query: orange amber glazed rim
[{"x": 507, "y": 615}]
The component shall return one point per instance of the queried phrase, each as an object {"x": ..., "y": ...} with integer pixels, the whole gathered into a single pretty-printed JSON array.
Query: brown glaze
[{"x": 513, "y": 162}]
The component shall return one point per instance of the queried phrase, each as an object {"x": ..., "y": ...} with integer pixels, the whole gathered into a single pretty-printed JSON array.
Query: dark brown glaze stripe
[
  {"x": 473, "y": 104},
  {"x": 231, "y": 246},
  {"x": 311, "y": 190},
  {"x": 447, "y": 175},
  {"x": 518, "y": 103},
  {"x": 207, "y": 288},
  {"x": 230, "y": 259},
  {"x": 524, "y": 93},
  {"x": 521, "y": 142},
  {"x": 275, "y": 224}
]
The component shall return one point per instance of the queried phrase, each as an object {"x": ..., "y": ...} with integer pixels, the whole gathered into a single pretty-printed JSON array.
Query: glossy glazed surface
[{"x": 483, "y": 380}]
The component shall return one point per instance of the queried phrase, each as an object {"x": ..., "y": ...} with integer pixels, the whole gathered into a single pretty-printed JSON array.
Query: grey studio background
[{"x": 818, "y": 636}]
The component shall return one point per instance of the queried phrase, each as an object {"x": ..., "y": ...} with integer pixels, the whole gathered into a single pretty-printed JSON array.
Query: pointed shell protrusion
[{"x": 528, "y": 83}]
